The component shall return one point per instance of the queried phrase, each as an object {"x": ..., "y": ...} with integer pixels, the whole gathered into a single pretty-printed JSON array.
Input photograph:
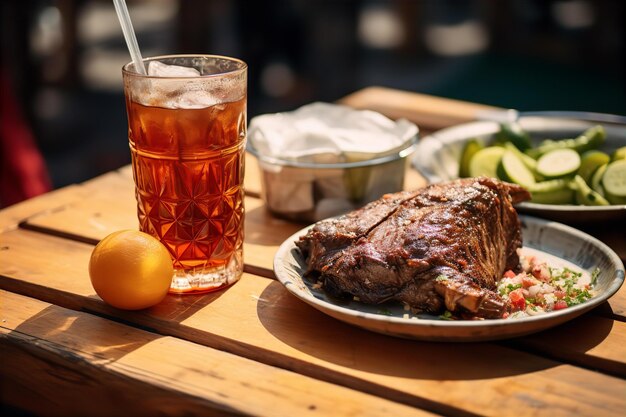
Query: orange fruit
[{"x": 130, "y": 270}]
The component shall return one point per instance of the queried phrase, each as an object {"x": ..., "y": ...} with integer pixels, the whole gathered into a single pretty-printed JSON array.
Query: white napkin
[{"x": 328, "y": 132}]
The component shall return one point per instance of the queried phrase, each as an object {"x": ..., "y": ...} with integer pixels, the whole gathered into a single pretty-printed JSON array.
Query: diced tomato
[
  {"x": 560, "y": 305},
  {"x": 559, "y": 294},
  {"x": 528, "y": 282},
  {"x": 517, "y": 300},
  {"x": 509, "y": 274}
]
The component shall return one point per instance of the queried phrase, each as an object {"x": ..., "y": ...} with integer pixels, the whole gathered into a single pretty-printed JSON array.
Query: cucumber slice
[
  {"x": 614, "y": 181},
  {"x": 527, "y": 160},
  {"x": 590, "y": 161},
  {"x": 469, "y": 150},
  {"x": 559, "y": 163},
  {"x": 485, "y": 162},
  {"x": 586, "y": 196},
  {"x": 512, "y": 169},
  {"x": 530, "y": 163},
  {"x": 618, "y": 154},
  {"x": 552, "y": 192},
  {"x": 596, "y": 179},
  {"x": 513, "y": 133}
]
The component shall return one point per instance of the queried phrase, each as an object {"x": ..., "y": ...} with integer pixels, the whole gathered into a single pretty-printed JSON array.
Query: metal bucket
[{"x": 308, "y": 191}]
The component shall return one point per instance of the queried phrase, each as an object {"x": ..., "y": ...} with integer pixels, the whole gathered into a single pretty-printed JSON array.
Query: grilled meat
[{"x": 443, "y": 246}]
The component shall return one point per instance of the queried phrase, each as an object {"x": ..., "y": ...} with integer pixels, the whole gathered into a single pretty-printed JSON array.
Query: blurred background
[{"x": 62, "y": 93}]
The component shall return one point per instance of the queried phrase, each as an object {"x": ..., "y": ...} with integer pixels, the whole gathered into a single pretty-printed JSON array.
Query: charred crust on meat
[{"x": 394, "y": 248}]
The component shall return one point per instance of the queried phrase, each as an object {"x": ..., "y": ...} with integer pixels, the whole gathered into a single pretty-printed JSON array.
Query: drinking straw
[{"x": 129, "y": 35}]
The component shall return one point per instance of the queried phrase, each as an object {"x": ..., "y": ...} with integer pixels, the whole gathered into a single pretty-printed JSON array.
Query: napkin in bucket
[{"x": 328, "y": 133}]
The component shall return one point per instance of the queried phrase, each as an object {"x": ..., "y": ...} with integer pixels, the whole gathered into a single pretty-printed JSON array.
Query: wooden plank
[
  {"x": 257, "y": 318},
  {"x": 591, "y": 341},
  {"x": 252, "y": 178},
  {"x": 112, "y": 184},
  {"x": 263, "y": 234},
  {"x": 106, "y": 204},
  {"x": 80, "y": 364},
  {"x": 126, "y": 171},
  {"x": 428, "y": 112},
  {"x": 45, "y": 203}
]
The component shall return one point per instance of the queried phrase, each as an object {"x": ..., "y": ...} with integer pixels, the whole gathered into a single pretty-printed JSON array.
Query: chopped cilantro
[
  {"x": 509, "y": 288},
  {"x": 577, "y": 297},
  {"x": 569, "y": 286},
  {"x": 583, "y": 296}
]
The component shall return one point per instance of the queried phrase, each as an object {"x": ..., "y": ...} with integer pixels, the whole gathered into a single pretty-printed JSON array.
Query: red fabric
[{"x": 23, "y": 172}]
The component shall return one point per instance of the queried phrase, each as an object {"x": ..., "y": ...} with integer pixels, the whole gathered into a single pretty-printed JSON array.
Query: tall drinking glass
[{"x": 187, "y": 134}]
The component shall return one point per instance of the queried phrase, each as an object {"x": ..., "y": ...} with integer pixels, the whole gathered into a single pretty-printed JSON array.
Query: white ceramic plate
[
  {"x": 555, "y": 239},
  {"x": 437, "y": 156}
]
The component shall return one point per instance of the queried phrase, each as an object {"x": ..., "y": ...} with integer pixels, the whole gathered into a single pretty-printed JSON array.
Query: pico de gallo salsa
[{"x": 540, "y": 288}]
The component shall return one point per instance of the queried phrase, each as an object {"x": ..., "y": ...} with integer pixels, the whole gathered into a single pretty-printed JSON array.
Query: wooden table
[{"x": 254, "y": 349}]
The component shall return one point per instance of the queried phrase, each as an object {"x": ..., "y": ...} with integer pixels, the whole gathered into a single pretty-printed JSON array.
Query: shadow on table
[
  {"x": 173, "y": 310},
  {"x": 356, "y": 349},
  {"x": 75, "y": 330},
  {"x": 61, "y": 317}
]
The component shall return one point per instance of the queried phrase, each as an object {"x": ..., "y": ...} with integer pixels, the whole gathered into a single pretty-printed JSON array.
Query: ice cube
[
  {"x": 174, "y": 89},
  {"x": 194, "y": 100},
  {"x": 159, "y": 69}
]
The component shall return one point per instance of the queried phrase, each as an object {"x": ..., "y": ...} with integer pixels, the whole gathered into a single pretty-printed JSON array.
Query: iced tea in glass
[{"x": 187, "y": 133}]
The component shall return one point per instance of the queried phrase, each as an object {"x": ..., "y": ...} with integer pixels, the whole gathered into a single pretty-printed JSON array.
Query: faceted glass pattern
[{"x": 188, "y": 166}]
